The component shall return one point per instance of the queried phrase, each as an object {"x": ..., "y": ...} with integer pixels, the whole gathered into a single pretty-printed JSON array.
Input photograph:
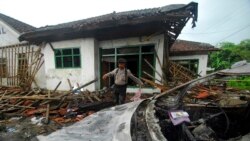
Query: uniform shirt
[{"x": 120, "y": 76}]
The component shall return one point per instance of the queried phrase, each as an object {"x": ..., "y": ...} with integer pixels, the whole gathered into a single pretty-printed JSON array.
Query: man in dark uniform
[{"x": 121, "y": 75}]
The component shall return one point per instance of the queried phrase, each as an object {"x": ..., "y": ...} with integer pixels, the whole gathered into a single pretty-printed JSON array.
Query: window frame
[{"x": 72, "y": 55}]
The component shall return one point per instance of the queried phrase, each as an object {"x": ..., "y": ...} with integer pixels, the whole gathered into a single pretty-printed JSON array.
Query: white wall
[
  {"x": 90, "y": 67},
  {"x": 8, "y": 36},
  {"x": 82, "y": 75},
  {"x": 202, "y": 61}
]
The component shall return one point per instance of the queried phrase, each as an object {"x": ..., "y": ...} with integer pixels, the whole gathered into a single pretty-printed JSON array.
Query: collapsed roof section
[{"x": 169, "y": 19}]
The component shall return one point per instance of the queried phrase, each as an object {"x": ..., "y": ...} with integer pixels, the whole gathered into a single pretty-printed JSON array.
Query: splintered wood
[
  {"x": 19, "y": 65},
  {"x": 181, "y": 73},
  {"x": 14, "y": 101},
  {"x": 177, "y": 74}
]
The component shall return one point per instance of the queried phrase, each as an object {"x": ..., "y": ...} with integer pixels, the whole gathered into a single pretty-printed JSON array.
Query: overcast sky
[{"x": 218, "y": 20}]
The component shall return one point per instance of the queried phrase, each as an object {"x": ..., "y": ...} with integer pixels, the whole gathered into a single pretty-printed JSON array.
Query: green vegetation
[
  {"x": 240, "y": 83},
  {"x": 229, "y": 54}
]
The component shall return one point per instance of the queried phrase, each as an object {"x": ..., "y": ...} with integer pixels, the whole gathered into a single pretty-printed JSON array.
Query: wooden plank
[
  {"x": 12, "y": 64},
  {"x": 18, "y": 106},
  {"x": 57, "y": 86},
  {"x": 47, "y": 111},
  {"x": 30, "y": 97},
  {"x": 9, "y": 74},
  {"x": 31, "y": 58},
  {"x": 32, "y": 77},
  {"x": 33, "y": 73},
  {"x": 17, "y": 69},
  {"x": 14, "y": 68},
  {"x": 151, "y": 76},
  {"x": 70, "y": 86},
  {"x": 27, "y": 65},
  {"x": 18, "y": 102},
  {"x": 3, "y": 96},
  {"x": 163, "y": 88},
  {"x": 2, "y": 69}
]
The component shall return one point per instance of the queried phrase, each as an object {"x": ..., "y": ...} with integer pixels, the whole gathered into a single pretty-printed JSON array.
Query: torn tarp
[{"x": 112, "y": 124}]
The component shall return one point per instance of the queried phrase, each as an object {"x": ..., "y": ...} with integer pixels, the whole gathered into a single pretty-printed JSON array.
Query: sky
[{"x": 218, "y": 20}]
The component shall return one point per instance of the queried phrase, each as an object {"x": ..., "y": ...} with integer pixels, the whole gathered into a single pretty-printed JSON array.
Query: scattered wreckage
[{"x": 201, "y": 109}]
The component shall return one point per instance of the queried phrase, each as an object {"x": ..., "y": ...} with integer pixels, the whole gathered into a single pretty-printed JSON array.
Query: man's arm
[
  {"x": 109, "y": 74},
  {"x": 135, "y": 79}
]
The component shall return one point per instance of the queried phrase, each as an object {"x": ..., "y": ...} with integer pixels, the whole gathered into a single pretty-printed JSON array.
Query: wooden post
[
  {"x": 28, "y": 59},
  {"x": 12, "y": 64},
  {"x": 47, "y": 110},
  {"x": 57, "y": 86},
  {"x": 31, "y": 60},
  {"x": 9, "y": 70},
  {"x": 2, "y": 68},
  {"x": 164, "y": 82},
  {"x": 70, "y": 86},
  {"x": 15, "y": 67}
]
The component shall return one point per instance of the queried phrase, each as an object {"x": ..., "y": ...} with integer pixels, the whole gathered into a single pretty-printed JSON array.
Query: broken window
[
  {"x": 68, "y": 58},
  {"x": 189, "y": 64},
  {"x": 3, "y": 67},
  {"x": 135, "y": 61}
]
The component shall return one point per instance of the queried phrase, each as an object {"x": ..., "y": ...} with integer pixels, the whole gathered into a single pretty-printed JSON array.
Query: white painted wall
[
  {"x": 8, "y": 35},
  {"x": 90, "y": 67},
  {"x": 82, "y": 75},
  {"x": 202, "y": 61}
]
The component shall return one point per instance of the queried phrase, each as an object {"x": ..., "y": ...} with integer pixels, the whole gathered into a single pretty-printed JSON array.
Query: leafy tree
[{"x": 229, "y": 54}]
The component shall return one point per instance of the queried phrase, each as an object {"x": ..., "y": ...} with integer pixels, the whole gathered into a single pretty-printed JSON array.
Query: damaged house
[
  {"x": 84, "y": 50},
  {"x": 80, "y": 52},
  {"x": 192, "y": 55}
]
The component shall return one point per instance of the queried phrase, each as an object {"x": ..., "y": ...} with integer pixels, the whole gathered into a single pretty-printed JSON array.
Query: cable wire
[{"x": 234, "y": 33}]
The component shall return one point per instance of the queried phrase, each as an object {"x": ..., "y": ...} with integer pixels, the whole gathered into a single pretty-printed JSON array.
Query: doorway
[{"x": 134, "y": 55}]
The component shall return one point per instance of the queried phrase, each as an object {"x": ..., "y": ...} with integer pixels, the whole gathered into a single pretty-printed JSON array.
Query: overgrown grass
[{"x": 240, "y": 83}]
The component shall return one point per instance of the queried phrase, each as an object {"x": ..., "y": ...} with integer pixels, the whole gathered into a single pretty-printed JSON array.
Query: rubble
[
  {"x": 205, "y": 108},
  {"x": 65, "y": 108},
  {"x": 216, "y": 111},
  {"x": 46, "y": 111}
]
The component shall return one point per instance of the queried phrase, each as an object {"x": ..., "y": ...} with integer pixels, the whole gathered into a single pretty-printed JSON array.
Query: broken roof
[
  {"x": 169, "y": 19},
  {"x": 191, "y": 47},
  {"x": 19, "y": 26}
]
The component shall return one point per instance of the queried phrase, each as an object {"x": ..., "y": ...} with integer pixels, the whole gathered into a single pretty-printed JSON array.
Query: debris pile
[
  {"x": 16, "y": 102},
  {"x": 215, "y": 111},
  {"x": 46, "y": 111},
  {"x": 178, "y": 75}
]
